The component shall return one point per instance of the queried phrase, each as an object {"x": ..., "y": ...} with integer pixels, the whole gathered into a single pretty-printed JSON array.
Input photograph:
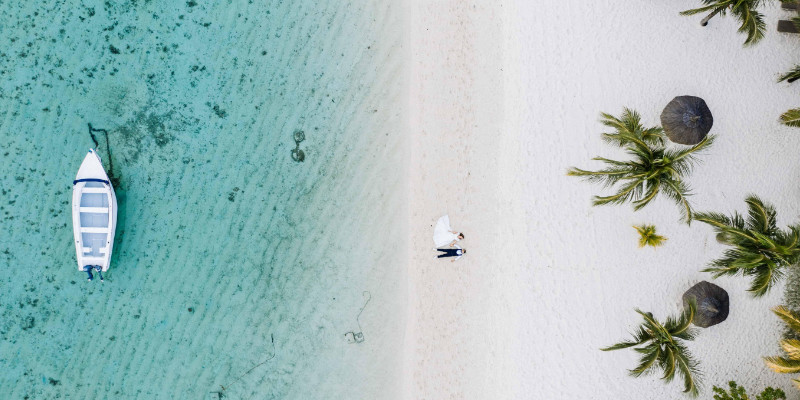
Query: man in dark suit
[{"x": 457, "y": 252}]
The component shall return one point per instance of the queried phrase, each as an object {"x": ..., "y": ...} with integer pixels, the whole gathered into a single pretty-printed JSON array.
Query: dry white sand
[
  {"x": 504, "y": 97},
  {"x": 464, "y": 315}
]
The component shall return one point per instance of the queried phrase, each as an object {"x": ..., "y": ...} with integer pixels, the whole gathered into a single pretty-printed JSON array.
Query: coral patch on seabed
[{"x": 297, "y": 154}]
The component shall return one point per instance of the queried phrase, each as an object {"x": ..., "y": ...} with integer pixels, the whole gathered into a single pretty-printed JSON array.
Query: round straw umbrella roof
[
  {"x": 686, "y": 120},
  {"x": 712, "y": 303}
]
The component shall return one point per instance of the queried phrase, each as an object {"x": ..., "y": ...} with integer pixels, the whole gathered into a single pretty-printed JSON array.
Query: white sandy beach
[{"x": 504, "y": 97}]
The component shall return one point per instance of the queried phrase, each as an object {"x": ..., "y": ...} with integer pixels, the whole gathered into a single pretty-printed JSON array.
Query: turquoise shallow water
[{"x": 224, "y": 244}]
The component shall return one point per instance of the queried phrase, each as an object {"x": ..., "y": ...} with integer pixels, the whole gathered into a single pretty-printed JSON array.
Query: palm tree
[
  {"x": 759, "y": 249},
  {"x": 791, "y": 363},
  {"x": 662, "y": 348},
  {"x": 648, "y": 236},
  {"x": 654, "y": 169},
  {"x": 752, "y": 21}
]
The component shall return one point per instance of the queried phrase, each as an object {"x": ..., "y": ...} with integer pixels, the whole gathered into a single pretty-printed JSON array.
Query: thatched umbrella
[
  {"x": 686, "y": 120},
  {"x": 712, "y": 303}
]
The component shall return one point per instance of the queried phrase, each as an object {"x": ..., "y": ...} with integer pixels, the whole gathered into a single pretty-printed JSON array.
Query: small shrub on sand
[
  {"x": 736, "y": 392},
  {"x": 648, "y": 237}
]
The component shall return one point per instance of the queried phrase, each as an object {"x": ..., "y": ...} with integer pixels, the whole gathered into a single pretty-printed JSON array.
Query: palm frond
[
  {"x": 718, "y": 221},
  {"x": 651, "y": 354},
  {"x": 752, "y": 24},
  {"x": 686, "y": 155},
  {"x": 687, "y": 367},
  {"x": 711, "y": 7},
  {"x": 678, "y": 192},
  {"x": 651, "y": 192},
  {"x": 620, "y": 345},
  {"x": 761, "y": 217},
  {"x": 723, "y": 224},
  {"x": 762, "y": 281},
  {"x": 614, "y": 162},
  {"x": 791, "y": 318},
  {"x": 791, "y": 76},
  {"x": 684, "y": 322},
  {"x": 668, "y": 364},
  {"x": 627, "y": 192},
  {"x": 791, "y": 118},
  {"x": 782, "y": 365},
  {"x": 792, "y": 348}
]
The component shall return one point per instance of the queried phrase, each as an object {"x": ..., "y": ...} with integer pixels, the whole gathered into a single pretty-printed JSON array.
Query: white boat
[{"x": 94, "y": 214}]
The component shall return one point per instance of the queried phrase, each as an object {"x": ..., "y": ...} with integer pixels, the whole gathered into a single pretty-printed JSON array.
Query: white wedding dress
[{"x": 441, "y": 233}]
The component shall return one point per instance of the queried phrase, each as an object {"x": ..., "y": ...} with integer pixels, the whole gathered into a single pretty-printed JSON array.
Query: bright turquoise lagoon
[{"x": 228, "y": 252}]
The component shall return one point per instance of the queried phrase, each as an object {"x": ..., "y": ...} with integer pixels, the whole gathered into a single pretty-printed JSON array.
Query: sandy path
[{"x": 462, "y": 321}]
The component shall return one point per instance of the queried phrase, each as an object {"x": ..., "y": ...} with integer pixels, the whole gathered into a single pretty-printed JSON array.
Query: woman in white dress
[{"x": 443, "y": 235}]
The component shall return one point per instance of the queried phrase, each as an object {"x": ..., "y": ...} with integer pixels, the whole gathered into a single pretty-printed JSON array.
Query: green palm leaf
[
  {"x": 761, "y": 217},
  {"x": 761, "y": 282},
  {"x": 792, "y": 348},
  {"x": 687, "y": 368},
  {"x": 686, "y": 154},
  {"x": 620, "y": 345},
  {"x": 683, "y": 323},
  {"x": 668, "y": 364},
  {"x": 782, "y": 365},
  {"x": 720, "y": 7},
  {"x": 791, "y": 118},
  {"x": 791, "y": 76},
  {"x": 678, "y": 192},
  {"x": 752, "y": 24},
  {"x": 651, "y": 355},
  {"x": 791, "y": 318}
]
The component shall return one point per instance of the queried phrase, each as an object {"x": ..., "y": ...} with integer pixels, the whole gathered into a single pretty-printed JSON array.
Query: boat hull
[{"x": 94, "y": 214}]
